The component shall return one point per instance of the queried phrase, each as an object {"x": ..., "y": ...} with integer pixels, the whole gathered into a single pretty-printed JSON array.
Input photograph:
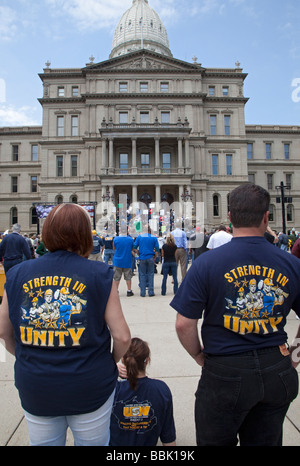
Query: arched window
[{"x": 59, "y": 199}]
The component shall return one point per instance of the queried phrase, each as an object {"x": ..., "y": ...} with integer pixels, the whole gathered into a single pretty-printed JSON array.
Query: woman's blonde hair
[{"x": 170, "y": 240}]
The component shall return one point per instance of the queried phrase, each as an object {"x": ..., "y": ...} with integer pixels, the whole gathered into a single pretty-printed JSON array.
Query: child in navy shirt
[{"x": 143, "y": 407}]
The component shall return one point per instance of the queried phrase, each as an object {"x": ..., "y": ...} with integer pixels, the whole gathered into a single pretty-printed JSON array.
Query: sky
[{"x": 263, "y": 35}]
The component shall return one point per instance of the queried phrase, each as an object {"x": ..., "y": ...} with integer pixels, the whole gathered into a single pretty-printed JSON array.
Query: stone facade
[{"x": 151, "y": 127}]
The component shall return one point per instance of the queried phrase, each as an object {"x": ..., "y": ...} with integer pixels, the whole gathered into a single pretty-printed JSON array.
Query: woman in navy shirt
[{"x": 57, "y": 317}]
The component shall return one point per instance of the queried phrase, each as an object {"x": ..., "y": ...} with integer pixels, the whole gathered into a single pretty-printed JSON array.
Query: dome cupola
[{"x": 140, "y": 28}]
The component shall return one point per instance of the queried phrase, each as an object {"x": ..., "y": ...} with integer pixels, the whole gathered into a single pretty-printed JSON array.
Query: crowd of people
[{"x": 77, "y": 365}]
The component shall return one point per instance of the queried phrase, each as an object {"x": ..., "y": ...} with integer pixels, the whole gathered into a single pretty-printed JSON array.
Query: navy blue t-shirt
[
  {"x": 64, "y": 364},
  {"x": 141, "y": 417},
  {"x": 244, "y": 291}
]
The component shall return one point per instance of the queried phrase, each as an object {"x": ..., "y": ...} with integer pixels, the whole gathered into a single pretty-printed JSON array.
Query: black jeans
[{"x": 245, "y": 397}]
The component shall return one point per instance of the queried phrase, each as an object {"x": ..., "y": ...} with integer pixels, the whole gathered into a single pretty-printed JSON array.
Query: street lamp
[{"x": 283, "y": 200}]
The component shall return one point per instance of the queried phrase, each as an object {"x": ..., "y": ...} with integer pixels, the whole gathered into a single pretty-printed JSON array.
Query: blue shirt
[
  {"x": 141, "y": 417},
  {"x": 64, "y": 364},
  {"x": 123, "y": 252},
  {"x": 246, "y": 288},
  {"x": 147, "y": 245},
  {"x": 180, "y": 238}
]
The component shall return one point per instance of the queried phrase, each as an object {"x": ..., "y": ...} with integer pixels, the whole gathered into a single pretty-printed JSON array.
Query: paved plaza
[{"x": 153, "y": 320}]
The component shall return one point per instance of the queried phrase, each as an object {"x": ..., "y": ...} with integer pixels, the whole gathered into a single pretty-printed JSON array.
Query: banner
[{"x": 43, "y": 211}]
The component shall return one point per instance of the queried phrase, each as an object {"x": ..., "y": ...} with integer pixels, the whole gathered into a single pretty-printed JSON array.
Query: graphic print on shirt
[
  {"x": 53, "y": 312},
  {"x": 134, "y": 415},
  {"x": 255, "y": 295}
]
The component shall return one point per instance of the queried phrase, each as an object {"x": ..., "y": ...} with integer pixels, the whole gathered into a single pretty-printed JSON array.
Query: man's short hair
[
  {"x": 247, "y": 204},
  {"x": 16, "y": 227}
]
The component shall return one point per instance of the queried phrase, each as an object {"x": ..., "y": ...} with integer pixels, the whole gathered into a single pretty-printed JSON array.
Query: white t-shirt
[{"x": 218, "y": 239}]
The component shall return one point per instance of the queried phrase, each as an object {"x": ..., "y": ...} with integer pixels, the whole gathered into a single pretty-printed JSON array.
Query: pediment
[{"x": 144, "y": 60}]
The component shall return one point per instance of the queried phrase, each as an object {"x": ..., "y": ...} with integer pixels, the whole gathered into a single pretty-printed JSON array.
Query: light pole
[{"x": 283, "y": 200}]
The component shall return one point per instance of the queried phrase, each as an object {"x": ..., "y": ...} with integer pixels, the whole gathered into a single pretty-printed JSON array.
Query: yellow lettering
[
  {"x": 246, "y": 326},
  {"x": 25, "y": 288},
  {"x": 39, "y": 336},
  {"x": 228, "y": 278},
  {"x": 76, "y": 336},
  {"x": 28, "y": 340},
  {"x": 61, "y": 337},
  {"x": 36, "y": 283}
]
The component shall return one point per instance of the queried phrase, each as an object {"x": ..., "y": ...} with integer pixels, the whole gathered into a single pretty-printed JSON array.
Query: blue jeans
[
  {"x": 146, "y": 272},
  {"x": 108, "y": 254},
  {"x": 91, "y": 429},
  {"x": 245, "y": 395},
  {"x": 166, "y": 268}
]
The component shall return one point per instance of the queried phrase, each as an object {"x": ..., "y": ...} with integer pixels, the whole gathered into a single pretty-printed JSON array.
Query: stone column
[
  {"x": 157, "y": 157},
  {"x": 133, "y": 157},
  {"x": 180, "y": 165},
  {"x": 111, "y": 156}
]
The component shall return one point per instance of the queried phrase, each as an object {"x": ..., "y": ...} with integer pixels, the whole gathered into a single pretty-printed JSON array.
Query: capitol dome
[{"x": 140, "y": 28}]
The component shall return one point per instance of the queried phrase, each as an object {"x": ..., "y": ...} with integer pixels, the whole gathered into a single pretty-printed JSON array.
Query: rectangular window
[
  {"x": 250, "y": 151},
  {"x": 34, "y": 184},
  {"x": 286, "y": 151},
  {"x": 215, "y": 164},
  {"x": 164, "y": 87},
  {"x": 145, "y": 162},
  {"x": 166, "y": 157},
  {"x": 211, "y": 91},
  {"x": 60, "y": 126},
  {"x": 59, "y": 165},
  {"x": 123, "y": 87},
  {"x": 34, "y": 153},
  {"x": 144, "y": 87},
  {"x": 270, "y": 181},
  {"x": 268, "y": 151},
  {"x": 124, "y": 163},
  {"x": 251, "y": 178},
  {"x": 225, "y": 91},
  {"x": 227, "y": 125},
  {"x": 74, "y": 128},
  {"x": 165, "y": 117},
  {"x": 144, "y": 117},
  {"x": 15, "y": 153},
  {"x": 123, "y": 117},
  {"x": 61, "y": 92},
  {"x": 14, "y": 184},
  {"x": 228, "y": 165},
  {"x": 75, "y": 91},
  {"x": 213, "y": 125},
  {"x": 288, "y": 179},
  {"x": 74, "y": 165}
]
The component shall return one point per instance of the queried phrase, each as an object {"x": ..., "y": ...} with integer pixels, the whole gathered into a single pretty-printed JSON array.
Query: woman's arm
[
  {"x": 7, "y": 337},
  {"x": 117, "y": 324}
]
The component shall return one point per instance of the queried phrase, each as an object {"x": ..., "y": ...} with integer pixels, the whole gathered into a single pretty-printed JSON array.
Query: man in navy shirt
[
  {"x": 244, "y": 291},
  {"x": 14, "y": 248},
  {"x": 148, "y": 247}
]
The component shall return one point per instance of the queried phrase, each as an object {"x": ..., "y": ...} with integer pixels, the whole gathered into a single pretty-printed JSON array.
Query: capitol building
[{"x": 148, "y": 126}]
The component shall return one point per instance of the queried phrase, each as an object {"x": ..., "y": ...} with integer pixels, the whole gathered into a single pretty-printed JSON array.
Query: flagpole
[{"x": 142, "y": 25}]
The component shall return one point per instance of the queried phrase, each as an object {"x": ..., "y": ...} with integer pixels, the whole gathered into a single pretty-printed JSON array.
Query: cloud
[
  {"x": 8, "y": 28},
  {"x": 22, "y": 116},
  {"x": 90, "y": 14}
]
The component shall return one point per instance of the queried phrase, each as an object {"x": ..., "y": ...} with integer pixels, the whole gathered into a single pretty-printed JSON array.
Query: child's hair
[{"x": 135, "y": 360}]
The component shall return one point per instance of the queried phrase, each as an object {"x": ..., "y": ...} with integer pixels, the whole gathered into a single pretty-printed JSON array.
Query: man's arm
[
  {"x": 7, "y": 337},
  {"x": 187, "y": 331}
]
